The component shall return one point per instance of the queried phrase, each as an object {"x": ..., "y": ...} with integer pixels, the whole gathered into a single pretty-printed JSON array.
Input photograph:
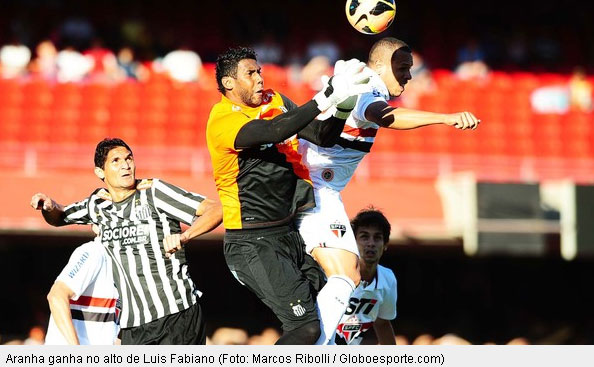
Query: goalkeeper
[{"x": 262, "y": 182}]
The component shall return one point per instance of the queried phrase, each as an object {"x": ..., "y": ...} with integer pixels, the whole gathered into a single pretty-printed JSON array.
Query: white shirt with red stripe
[
  {"x": 333, "y": 167},
  {"x": 95, "y": 307},
  {"x": 368, "y": 303}
]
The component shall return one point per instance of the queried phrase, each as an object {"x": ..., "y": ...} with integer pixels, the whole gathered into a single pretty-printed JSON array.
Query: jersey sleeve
[
  {"x": 223, "y": 131},
  {"x": 176, "y": 202},
  {"x": 364, "y": 101},
  {"x": 289, "y": 105},
  {"x": 387, "y": 310},
  {"x": 78, "y": 213},
  {"x": 82, "y": 268}
]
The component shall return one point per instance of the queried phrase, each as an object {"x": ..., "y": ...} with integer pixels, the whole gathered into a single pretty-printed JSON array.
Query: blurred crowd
[
  {"x": 112, "y": 43},
  {"x": 268, "y": 336}
]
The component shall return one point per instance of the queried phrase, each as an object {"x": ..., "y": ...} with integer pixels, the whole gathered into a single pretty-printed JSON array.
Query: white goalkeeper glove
[{"x": 350, "y": 79}]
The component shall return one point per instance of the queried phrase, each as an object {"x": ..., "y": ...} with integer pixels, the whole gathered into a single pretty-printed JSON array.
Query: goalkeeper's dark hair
[
  {"x": 371, "y": 217},
  {"x": 390, "y": 44},
  {"x": 228, "y": 61},
  {"x": 104, "y": 147}
]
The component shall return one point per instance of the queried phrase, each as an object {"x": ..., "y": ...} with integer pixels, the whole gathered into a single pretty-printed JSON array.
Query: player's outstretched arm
[
  {"x": 52, "y": 212},
  {"x": 403, "y": 118},
  {"x": 350, "y": 79},
  {"x": 210, "y": 216},
  {"x": 59, "y": 303},
  {"x": 384, "y": 332}
]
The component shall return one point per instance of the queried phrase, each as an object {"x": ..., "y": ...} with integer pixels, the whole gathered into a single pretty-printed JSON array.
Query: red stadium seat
[
  {"x": 435, "y": 139},
  {"x": 95, "y": 95},
  {"x": 577, "y": 135},
  {"x": 36, "y": 123},
  {"x": 37, "y": 94},
  {"x": 546, "y": 134},
  {"x": 11, "y": 93},
  {"x": 66, "y": 95},
  {"x": 11, "y": 124}
]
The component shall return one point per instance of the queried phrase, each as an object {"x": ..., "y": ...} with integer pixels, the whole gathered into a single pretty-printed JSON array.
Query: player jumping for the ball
[{"x": 325, "y": 228}]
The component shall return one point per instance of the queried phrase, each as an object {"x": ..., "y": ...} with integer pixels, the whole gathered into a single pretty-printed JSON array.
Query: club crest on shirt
[
  {"x": 338, "y": 229},
  {"x": 298, "y": 309},
  {"x": 328, "y": 175},
  {"x": 143, "y": 212}
]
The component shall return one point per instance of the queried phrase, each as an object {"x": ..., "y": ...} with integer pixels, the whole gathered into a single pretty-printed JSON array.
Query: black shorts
[
  {"x": 272, "y": 263},
  {"x": 182, "y": 328}
]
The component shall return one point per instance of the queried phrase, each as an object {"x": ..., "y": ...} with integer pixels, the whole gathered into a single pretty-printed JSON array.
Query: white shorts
[{"x": 327, "y": 225}]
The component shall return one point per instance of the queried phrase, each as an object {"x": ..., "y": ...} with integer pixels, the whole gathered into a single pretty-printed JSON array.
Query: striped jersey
[
  {"x": 94, "y": 306},
  {"x": 333, "y": 167},
  {"x": 262, "y": 186},
  {"x": 151, "y": 286},
  {"x": 368, "y": 303}
]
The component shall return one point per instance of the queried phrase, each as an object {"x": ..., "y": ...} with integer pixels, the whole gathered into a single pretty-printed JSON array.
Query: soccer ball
[{"x": 370, "y": 16}]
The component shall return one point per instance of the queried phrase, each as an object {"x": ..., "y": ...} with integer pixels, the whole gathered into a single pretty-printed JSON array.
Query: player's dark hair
[
  {"x": 372, "y": 217},
  {"x": 104, "y": 147},
  {"x": 228, "y": 61}
]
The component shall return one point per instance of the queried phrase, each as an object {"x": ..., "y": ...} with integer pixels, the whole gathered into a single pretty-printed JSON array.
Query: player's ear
[
  {"x": 99, "y": 173},
  {"x": 379, "y": 66},
  {"x": 228, "y": 82}
]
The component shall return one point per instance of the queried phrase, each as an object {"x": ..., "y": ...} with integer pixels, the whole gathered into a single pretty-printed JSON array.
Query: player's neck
[
  {"x": 368, "y": 271},
  {"x": 120, "y": 194}
]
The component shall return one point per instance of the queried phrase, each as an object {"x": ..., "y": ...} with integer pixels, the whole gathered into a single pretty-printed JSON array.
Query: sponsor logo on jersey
[
  {"x": 128, "y": 235},
  {"x": 328, "y": 175},
  {"x": 376, "y": 93},
  {"x": 338, "y": 229},
  {"x": 83, "y": 258},
  {"x": 363, "y": 305}
]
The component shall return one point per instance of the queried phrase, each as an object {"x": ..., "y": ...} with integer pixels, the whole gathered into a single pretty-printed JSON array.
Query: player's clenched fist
[
  {"x": 173, "y": 243},
  {"x": 462, "y": 120},
  {"x": 41, "y": 201}
]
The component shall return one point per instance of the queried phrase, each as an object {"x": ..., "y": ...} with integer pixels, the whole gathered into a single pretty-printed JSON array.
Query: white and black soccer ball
[{"x": 370, "y": 16}]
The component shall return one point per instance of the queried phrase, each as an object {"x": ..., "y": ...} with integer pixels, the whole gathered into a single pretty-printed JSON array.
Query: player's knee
[
  {"x": 307, "y": 334},
  {"x": 355, "y": 276},
  {"x": 311, "y": 332}
]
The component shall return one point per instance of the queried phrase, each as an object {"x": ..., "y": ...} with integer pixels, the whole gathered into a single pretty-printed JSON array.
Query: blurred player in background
[
  {"x": 139, "y": 221},
  {"x": 373, "y": 303},
  {"x": 325, "y": 228},
  {"x": 262, "y": 183},
  {"x": 84, "y": 301}
]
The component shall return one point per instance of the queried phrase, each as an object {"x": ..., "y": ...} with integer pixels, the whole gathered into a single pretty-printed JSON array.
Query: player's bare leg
[{"x": 342, "y": 269}]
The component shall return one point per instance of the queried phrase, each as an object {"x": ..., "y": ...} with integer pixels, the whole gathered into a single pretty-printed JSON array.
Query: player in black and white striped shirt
[{"x": 140, "y": 228}]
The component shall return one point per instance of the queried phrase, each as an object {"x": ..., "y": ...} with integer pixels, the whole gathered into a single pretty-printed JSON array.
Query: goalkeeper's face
[{"x": 249, "y": 84}]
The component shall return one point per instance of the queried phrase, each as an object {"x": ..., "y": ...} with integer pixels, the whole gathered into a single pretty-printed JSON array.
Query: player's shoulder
[
  {"x": 146, "y": 183},
  {"x": 386, "y": 275},
  {"x": 92, "y": 250},
  {"x": 100, "y": 194}
]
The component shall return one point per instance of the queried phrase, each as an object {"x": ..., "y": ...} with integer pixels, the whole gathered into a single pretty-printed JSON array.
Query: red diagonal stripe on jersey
[
  {"x": 94, "y": 301},
  {"x": 365, "y": 133}
]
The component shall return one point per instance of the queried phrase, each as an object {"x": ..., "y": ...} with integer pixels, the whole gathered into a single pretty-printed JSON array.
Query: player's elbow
[
  {"x": 58, "y": 294},
  {"x": 52, "y": 298},
  {"x": 214, "y": 210}
]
